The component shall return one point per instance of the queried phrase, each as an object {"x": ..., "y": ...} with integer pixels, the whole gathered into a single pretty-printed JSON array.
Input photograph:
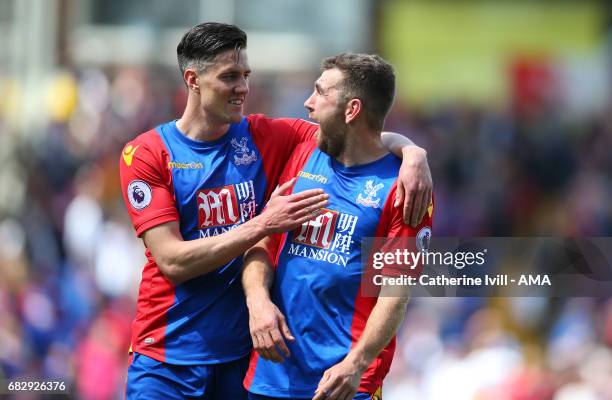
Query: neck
[
  {"x": 198, "y": 125},
  {"x": 362, "y": 146}
]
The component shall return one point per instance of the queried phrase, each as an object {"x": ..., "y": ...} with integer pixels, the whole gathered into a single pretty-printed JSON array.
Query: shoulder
[
  {"x": 150, "y": 140},
  {"x": 261, "y": 121},
  {"x": 147, "y": 146},
  {"x": 387, "y": 169},
  {"x": 302, "y": 153},
  {"x": 305, "y": 148}
]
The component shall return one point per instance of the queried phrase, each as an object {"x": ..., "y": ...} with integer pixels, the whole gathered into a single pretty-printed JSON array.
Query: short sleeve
[
  {"x": 394, "y": 235},
  {"x": 283, "y": 134},
  {"x": 146, "y": 184},
  {"x": 393, "y": 219}
]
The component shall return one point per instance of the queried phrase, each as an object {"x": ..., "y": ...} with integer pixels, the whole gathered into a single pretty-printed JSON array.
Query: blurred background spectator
[{"x": 510, "y": 99}]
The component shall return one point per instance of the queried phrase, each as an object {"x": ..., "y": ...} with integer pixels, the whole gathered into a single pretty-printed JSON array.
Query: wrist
[
  {"x": 359, "y": 359},
  {"x": 256, "y": 296},
  {"x": 260, "y": 225}
]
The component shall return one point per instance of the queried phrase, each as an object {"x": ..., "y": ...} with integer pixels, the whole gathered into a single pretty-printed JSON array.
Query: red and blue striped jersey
[
  {"x": 209, "y": 188},
  {"x": 319, "y": 272}
]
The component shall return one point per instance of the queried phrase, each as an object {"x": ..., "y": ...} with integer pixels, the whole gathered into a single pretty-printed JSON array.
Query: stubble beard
[{"x": 332, "y": 138}]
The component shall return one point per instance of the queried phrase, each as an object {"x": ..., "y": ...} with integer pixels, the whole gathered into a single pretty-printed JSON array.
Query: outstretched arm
[{"x": 415, "y": 186}]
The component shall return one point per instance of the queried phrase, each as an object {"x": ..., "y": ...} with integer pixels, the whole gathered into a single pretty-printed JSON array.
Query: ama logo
[
  {"x": 319, "y": 231},
  {"x": 217, "y": 207}
]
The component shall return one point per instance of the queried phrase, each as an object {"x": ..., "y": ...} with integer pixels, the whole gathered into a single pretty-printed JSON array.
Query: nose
[
  {"x": 309, "y": 103},
  {"x": 242, "y": 87}
]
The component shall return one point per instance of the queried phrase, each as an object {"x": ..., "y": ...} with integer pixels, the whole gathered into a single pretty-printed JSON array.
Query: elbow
[{"x": 172, "y": 271}]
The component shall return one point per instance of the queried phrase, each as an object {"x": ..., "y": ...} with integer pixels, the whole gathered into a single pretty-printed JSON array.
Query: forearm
[
  {"x": 267, "y": 324},
  {"x": 382, "y": 325},
  {"x": 258, "y": 273},
  {"x": 398, "y": 144},
  {"x": 184, "y": 260},
  {"x": 181, "y": 260}
]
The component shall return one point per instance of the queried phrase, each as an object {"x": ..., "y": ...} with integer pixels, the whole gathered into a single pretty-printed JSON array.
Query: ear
[
  {"x": 191, "y": 80},
  {"x": 352, "y": 110}
]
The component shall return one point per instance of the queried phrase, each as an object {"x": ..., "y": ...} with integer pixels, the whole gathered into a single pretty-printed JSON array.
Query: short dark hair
[
  {"x": 203, "y": 42},
  {"x": 369, "y": 78}
]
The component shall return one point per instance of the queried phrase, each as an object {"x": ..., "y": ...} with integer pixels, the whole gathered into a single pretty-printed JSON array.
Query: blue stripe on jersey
[
  {"x": 217, "y": 185},
  {"x": 319, "y": 271}
]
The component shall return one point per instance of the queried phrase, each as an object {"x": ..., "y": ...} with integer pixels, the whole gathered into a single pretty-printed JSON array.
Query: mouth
[{"x": 236, "y": 102}]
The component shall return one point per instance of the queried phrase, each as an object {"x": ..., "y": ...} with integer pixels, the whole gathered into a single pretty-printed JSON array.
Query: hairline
[{"x": 201, "y": 66}]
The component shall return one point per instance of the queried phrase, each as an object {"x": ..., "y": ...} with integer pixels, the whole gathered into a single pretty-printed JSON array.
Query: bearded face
[
  {"x": 332, "y": 133},
  {"x": 326, "y": 106}
]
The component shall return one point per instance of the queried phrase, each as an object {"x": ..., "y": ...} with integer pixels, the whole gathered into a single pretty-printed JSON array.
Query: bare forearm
[
  {"x": 181, "y": 260},
  {"x": 257, "y": 274},
  {"x": 267, "y": 324},
  {"x": 188, "y": 259},
  {"x": 395, "y": 143},
  {"x": 382, "y": 325}
]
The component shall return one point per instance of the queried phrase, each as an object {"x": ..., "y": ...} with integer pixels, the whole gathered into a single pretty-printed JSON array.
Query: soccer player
[
  {"x": 337, "y": 343},
  {"x": 195, "y": 189}
]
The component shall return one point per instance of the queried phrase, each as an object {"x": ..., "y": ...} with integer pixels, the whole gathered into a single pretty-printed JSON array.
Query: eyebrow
[{"x": 234, "y": 69}]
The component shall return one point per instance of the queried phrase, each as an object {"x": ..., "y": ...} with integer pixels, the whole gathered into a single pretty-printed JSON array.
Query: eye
[
  {"x": 230, "y": 77},
  {"x": 234, "y": 76}
]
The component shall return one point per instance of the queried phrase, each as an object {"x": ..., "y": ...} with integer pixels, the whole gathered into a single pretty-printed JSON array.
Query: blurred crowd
[
  {"x": 504, "y": 349},
  {"x": 70, "y": 262}
]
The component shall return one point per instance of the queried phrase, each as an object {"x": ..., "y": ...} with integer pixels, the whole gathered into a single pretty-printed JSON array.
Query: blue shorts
[
  {"x": 358, "y": 396},
  {"x": 152, "y": 379}
]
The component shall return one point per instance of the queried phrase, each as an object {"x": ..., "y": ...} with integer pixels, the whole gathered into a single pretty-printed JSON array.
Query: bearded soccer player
[
  {"x": 315, "y": 333},
  {"x": 195, "y": 190}
]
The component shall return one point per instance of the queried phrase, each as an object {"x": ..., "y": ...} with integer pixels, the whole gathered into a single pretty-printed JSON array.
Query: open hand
[
  {"x": 414, "y": 186},
  {"x": 339, "y": 382},
  {"x": 286, "y": 212},
  {"x": 269, "y": 330}
]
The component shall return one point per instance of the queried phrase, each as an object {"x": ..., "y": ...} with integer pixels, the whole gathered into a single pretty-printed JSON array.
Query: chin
[{"x": 235, "y": 118}]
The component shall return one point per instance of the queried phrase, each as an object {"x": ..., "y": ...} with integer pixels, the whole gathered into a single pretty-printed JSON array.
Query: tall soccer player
[
  {"x": 195, "y": 190},
  {"x": 315, "y": 333}
]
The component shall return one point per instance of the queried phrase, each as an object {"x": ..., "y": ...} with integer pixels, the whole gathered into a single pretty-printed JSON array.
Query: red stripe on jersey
[
  {"x": 390, "y": 225},
  {"x": 145, "y": 159},
  {"x": 298, "y": 159},
  {"x": 155, "y": 297},
  {"x": 363, "y": 308},
  {"x": 248, "y": 379},
  {"x": 276, "y": 138}
]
